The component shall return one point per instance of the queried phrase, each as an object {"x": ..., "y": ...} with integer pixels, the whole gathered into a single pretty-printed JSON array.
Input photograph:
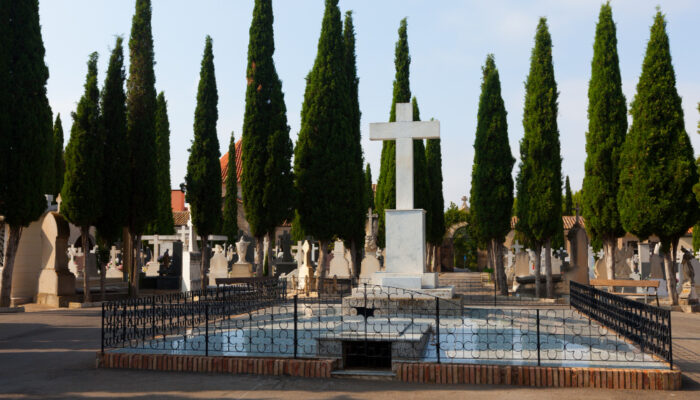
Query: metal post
[
  {"x": 295, "y": 324},
  {"x": 206, "y": 331},
  {"x": 124, "y": 323},
  {"x": 102, "y": 334},
  {"x": 538, "y": 338},
  {"x": 670, "y": 341},
  {"x": 437, "y": 328},
  {"x": 494, "y": 293}
]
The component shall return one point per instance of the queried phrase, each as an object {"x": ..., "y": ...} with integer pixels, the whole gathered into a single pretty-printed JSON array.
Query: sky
[{"x": 448, "y": 40}]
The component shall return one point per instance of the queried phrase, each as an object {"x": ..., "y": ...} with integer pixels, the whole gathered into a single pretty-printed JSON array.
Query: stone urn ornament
[{"x": 241, "y": 249}]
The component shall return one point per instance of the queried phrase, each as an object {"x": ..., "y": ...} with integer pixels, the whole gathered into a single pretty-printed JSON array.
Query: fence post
[
  {"x": 295, "y": 325},
  {"x": 102, "y": 332},
  {"x": 670, "y": 341},
  {"x": 437, "y": 328},
  {"x": 206, "y": 331},
  {"x": 124, "y": 323},
  {"x": 538, "y": 337}
]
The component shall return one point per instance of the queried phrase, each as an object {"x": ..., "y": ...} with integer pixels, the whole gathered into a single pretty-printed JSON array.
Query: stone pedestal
[
  {"x": 339, "y": 266},
  {"x": 370, "y": 265},
  {"x": 56, "y": 282},
  {"x": 152, "y": 268},
  {"x": 241, "y": 270},
  {"x": 405, "y": 252},
  {"x": 218, "y": 265}
]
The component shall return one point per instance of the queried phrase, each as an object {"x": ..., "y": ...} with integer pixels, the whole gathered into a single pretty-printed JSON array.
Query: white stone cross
[
  {"x": 404, "y": 131},
  {"x": 517, "y": 247}
]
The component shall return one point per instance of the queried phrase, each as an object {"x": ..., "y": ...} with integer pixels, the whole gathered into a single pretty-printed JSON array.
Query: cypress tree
[
  {"x": 696, "y": 189},
  {"x": 230, "y": 226},
  {"x": 203, "y": 177},
  {"x": 141, "y": 136},
  {"x": 319, "y": 165},
  {"x": 607, "y": 127},
  {"x": 82, "y": 183},
  {"x": 436, "y": 202},
  {"x": 657, "y": 166},
  {"x": 163, "y": 224},
  {"x": 492, "y": 181},
  {"x": 115, "y": 188},
  {"x": 267, "y": 182},
  {"x": 59, "y": 165},
  {"x": 568, "y": 199},
  {"x": 421, "y": 198},
  {"x": 386, "y": 184},
  {"x": 354, "y": 185},
  {"x": 539, "y": 179},
  {"x": 25, "y": 126},
  {"x": 369, "y": 193}
]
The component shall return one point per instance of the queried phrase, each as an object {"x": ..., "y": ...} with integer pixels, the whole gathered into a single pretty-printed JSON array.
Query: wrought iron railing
[
  {"x": 371, "y": 325},
  {"x": 135, "y": 322},
  {"x": 644, "y": 325}
]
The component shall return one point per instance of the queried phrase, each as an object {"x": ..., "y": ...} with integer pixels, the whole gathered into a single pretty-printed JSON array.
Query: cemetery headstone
[
  {"x": 305, "y": 269},
  {"x": 218, "y": 265},
  {"x": 339, "y": 266}
]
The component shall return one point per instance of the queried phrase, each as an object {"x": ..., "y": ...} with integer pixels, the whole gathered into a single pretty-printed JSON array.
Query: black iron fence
[
  {"x": 644, "y": 325},
  {"x": 371, "y": 326},
  {"x": 133, "y": 322}
]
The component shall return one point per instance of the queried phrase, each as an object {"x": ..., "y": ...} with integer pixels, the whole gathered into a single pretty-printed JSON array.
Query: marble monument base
[
  {"x": 426, "y": 280},
  {"x": 242, "y": 270}
]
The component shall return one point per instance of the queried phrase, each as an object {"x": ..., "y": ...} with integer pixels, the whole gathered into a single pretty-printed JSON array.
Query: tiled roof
[
  {"x": 239, "y": 164},
  {"x": 568, "y": 220},
  {"x": 180, "y": 217}
]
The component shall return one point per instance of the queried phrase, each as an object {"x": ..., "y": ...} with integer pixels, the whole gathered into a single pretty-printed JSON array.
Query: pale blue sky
[{"x": 448, "y": 40}]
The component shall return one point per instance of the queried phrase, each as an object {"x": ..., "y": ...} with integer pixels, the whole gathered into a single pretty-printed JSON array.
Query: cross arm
[{"x": 404, "y": 130}]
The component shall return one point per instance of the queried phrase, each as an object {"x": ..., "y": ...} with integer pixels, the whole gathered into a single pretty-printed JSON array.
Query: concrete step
[{"x": 369, "y": 374}]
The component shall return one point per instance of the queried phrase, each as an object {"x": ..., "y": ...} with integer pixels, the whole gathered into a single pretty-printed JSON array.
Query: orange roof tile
[
  {"x": 180, "y": 217},
  {"x": 239, "y": 163},
  {"x": 568, "y": 221}
]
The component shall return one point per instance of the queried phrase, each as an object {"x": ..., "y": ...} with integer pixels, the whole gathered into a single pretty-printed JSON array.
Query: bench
[{"x": 629, "y": 283}]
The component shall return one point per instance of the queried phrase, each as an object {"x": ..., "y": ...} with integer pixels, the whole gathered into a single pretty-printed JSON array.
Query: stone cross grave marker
[
  {"x": 405, "y": 226},
  {"x": 404, "y": 131}
]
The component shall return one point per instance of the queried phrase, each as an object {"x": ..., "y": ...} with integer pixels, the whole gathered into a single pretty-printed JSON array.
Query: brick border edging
[
  {"x": 608, "y": 378},
  {"x": 308, "y": 368}
]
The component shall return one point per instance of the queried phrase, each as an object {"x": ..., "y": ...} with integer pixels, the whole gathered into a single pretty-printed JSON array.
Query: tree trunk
[
  {"x": 12, "y": 246},
  {"x": 204, "y": 265},
  {"x": 538, "y": 285},
  {"x": 609, "y": 250},
  {"x": 270, "y": 267},
  {"x": 669, "y": 267},
  {"x": 259, "y": 251},
  {"x": 498, "y": 258},
  {"x": 130, "y": 263},
  {"x": 323, "y": 258},
  {"x": 492, "y": 264},
  {"x": 438, "y": 258},
  {"x": 353, "y": 259},
  {"x": 548, "y": 268},
  {"x": 84, "y": 236}
]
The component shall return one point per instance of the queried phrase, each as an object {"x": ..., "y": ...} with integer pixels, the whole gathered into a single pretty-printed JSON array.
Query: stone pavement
[{"x": 51, "y": 354}]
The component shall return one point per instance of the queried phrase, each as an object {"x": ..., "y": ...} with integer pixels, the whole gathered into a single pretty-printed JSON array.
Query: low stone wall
[
  {"x": 638, "y": 379},
  {"x": 320, "y": 368}
]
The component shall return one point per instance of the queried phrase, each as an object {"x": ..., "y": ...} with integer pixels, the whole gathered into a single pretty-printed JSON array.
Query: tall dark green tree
[
  {"x": 607, "y": 127},
  {"x": 163, "y": 223},
  {"x": 568, "y": 208},
  {"x": 25, "y": 126},
  {"x": 385, "y": 198},
  {"x": 539, "y": 179},
  {"x": 267, "y": 181},
  {"x": 657, "y": 166},
  {"x": 203, "y": 177},
  {"x": 59, "y": 165},
  {"x": 319, "y": 166},
  {"x": 115, "y": 187},
  {"x": 369, "y": 192},
  {"x": 492, "y": 181},
  {"x": 436, "y": 203},
  {"x": 421, "y": 198},
  {"x": 141, "y": 136},
  {"x": 354, "y": 183},
  {"x": 82, "y": 183},
  {"x": 696, "y": 189},
  {"x": 230, "y": 225}
]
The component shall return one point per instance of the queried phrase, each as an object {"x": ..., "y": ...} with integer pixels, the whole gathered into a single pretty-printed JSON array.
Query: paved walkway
[{"x": 51, "y": 354}]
